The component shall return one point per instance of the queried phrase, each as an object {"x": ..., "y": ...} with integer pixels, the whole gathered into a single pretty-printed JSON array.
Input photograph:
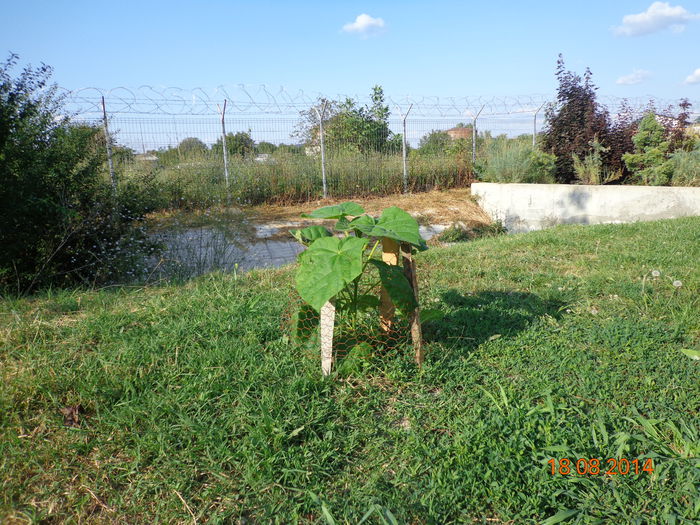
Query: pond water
[{"x": 191, "y": 251}]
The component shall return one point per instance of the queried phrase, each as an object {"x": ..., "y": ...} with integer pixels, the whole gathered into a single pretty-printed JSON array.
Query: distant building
[{"x": 460, "y": 132}]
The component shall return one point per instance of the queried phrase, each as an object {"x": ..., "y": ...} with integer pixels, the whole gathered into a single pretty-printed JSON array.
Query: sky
[{"x": 438, "y": 48}]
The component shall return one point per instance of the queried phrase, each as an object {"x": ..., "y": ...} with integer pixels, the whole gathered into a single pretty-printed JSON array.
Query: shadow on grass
[{"x": 476, "y": 318}]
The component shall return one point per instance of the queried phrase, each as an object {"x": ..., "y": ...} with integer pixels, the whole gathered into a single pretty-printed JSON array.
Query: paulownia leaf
[
  {"x": 397, "y": 286},
  {"x": 693, "y": 354},
  {"x": 306, "y": 323},
  {"x": 327, "y": 266},
  {"x": 356, "y": 360},
  {"x": 308, "y": 235},
  {"x": 360, "y": 225},
  {"x": 397, "y": 224},
  {"x": 336, "y": 211}
]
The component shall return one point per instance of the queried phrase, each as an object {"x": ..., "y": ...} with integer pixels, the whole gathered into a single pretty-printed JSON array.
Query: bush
[
  {"x": 649, "y": 162},
  {"x": 516, "y": 161},
  {"x": 686, "y": 167},
  {"x": 591, "y": 169},
  {"x": 61, "y": 221}
]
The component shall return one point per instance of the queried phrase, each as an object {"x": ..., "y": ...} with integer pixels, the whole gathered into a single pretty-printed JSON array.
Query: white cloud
[
  {"x": 636, "y": 77},
  {"x": 658, "y": 16},
  {"x": 694, "y": 77},
  {"x": 365, "y": 25}
]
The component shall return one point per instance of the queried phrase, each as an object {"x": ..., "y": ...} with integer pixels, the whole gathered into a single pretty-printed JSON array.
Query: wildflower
[
  {"x": 655, "y": 273},
  {"x": 677, "y": 284}
]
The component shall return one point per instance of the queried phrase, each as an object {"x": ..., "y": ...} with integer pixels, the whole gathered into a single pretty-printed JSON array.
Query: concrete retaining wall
[{"x": 525, "y": 207}]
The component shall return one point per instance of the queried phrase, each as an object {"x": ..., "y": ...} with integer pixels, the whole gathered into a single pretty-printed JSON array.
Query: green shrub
[
  {"x": 649, "y": 162},
  {"x": 591, "y": 169},
  {"x": 61, "y": 221},
  {"x": 686, "y": 167},
  {"x": 512, "y": 160}
]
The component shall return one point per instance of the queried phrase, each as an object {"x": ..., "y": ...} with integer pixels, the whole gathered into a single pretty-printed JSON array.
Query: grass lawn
[{"x": 195, "y": 406}]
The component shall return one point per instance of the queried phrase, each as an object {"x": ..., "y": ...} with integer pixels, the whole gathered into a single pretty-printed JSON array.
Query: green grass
[
  {"x": 555, "y": 344},
  {"x": 199, "y": 181}
]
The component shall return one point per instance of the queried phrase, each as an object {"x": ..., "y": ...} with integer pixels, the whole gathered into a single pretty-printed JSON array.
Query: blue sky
[{"x": 442, "y": 48}]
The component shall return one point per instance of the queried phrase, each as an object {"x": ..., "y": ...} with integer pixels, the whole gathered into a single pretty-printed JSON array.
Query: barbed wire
[{"x": 261, "y": 100}]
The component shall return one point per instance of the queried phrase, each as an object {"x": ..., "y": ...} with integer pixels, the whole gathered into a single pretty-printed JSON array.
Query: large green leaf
[
  {"x": 306, "y": 321},
  {"x": 397, "y": 224},
  {"x": 308, "y": 235},
  {"x": 327, "y": 266},
  {"x": 361, "y": 225},
  {"x": 397, "y": 286},
  {"x": 336, "y": 211}
]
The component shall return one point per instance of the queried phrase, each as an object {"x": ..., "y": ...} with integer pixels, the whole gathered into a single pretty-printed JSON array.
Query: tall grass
[
  {"x": 686, "y": 167},
  {"x": 515, "y": 160},
  {"x": 198, "y": 179}
]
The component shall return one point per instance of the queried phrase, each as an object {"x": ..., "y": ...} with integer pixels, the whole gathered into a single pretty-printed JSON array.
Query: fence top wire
[{"x": 261, "y": 100}]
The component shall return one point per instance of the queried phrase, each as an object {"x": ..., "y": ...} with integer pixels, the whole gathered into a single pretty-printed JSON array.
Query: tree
[
  {"x": 348, "y": 126},
  {"x": 265, "y": 147},
  {"x": 574, "y": 121},
  {"x": 434, "y": 143},
  {"x": 240, "y": 144},
  {"x": 191, "y": 145}
]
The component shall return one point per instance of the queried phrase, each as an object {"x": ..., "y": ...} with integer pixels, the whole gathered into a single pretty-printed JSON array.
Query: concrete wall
[{"x": 525, "y": 207}]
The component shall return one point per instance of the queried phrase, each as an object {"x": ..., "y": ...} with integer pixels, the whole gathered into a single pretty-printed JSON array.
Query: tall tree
[
  {"x": 348, "y": 126},
  {"x": 574, "y": 121}
]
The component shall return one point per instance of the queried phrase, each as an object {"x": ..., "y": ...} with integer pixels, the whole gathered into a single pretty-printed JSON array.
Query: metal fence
[{"x": 151, "y": 122}]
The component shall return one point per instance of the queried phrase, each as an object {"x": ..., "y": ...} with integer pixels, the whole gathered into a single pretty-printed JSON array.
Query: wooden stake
[
  {"x": 390, "y": 255},
  {"x": 327, "y": 325},
  {"x": 409, "y": 269}
]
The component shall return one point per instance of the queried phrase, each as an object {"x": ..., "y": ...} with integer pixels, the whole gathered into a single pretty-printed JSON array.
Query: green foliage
[
  {"x": 649, "y": 162},
  {"x": 194, "y": 393},
  {"x": 265, "y": 147},
  {"x": 434, "y": 143},
  {"x": 61, "y": 221},
  {"x": 591, "y": 170},
  {"x": 237, "y": 144},
  {"x": 337, "y": 211},
  {"x": 461, "y": 233},
  {"x": 332, "y": 268},
  {"x": 514, "y": 160},
  {"x": 348, "y": 127},
  {"x": 397, "y": 286},
  {"x": 327, "y": 267},
  {"x": 685, "y": 166},
  {"x": 191, "y": 145}
]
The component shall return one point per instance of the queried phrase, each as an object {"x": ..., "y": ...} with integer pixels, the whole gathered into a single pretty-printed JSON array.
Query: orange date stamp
[{"x": 600, "y": 467}]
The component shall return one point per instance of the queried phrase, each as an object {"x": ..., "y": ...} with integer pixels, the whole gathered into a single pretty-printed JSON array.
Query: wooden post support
[
  {"x": 409, "y": 269},
  {"x": 390, "y": 255},
  {"x": 327, "y": 325}
]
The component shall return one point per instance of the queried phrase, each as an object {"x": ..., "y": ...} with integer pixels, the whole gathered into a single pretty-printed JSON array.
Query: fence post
[
  {"x": 405, "y": 165},
  {"x": 323, "y": 146},
  {"x": 534, "y": 126},
  {"x": 474, "y": 136},
  {"x": 223, "y": 143},
  {"x": 108, "y": 141}
]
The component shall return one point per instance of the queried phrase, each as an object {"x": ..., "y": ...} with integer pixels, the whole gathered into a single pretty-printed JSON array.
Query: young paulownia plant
[{"x": 344, "y": 273}]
